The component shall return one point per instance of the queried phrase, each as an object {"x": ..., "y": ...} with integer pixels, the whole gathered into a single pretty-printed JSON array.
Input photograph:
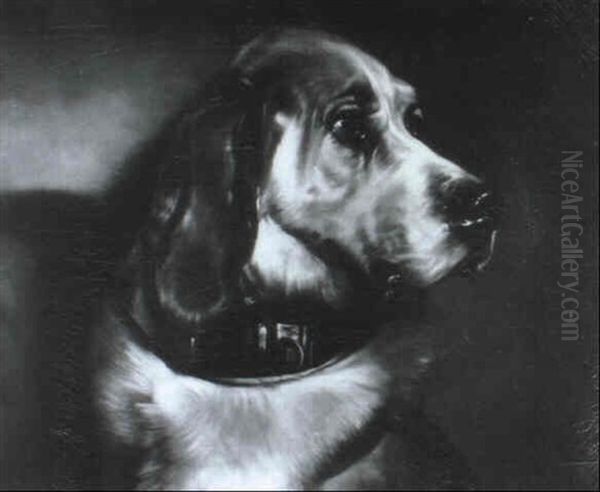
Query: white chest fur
[{"x": 195, "y": 434}]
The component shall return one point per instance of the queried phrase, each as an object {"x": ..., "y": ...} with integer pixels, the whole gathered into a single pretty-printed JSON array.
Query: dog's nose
[{"x": 469, "y": 208}]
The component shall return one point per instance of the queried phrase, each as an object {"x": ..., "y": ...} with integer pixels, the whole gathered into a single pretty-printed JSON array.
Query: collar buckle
[
  {"x": 274, "y": 347},
  {"x": 289, "y": 345}
]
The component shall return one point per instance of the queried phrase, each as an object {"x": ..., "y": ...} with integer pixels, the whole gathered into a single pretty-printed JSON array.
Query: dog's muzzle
[{"x": 471, "y": 213}]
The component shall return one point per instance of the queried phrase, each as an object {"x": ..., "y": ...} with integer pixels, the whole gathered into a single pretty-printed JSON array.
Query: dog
[{"x": 263, "y": 329}]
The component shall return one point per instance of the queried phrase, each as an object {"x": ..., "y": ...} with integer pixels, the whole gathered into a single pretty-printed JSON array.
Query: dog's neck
[
  {"x": 298, "y": 312},
  {"x": 292, "y": 317}
]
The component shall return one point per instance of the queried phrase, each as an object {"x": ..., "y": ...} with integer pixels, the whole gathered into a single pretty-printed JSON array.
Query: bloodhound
[{"x": 257, "y": 336}]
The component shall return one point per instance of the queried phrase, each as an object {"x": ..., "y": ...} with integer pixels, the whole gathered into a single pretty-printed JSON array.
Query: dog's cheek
[{"x": 334, "y": 176}]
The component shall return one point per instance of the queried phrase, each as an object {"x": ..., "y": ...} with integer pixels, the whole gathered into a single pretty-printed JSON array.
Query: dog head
[
  {"x": 304, "y": 178},
  {"x": 348, "y": 175}
]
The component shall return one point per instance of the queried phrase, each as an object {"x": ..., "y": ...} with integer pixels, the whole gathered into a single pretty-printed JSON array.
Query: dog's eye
[
  {"x": 413, "y": 120},
  {"x": 351, "y": 130}
]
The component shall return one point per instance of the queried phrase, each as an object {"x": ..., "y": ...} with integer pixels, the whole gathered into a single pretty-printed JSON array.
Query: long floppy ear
[{"x": 202, "y": 222}]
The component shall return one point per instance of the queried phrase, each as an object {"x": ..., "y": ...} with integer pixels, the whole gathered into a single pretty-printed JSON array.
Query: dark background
[{"x": 505, "y": 86}]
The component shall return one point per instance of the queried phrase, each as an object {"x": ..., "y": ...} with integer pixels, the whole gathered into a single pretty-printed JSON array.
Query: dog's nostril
[{"x": 469, "y": 205}]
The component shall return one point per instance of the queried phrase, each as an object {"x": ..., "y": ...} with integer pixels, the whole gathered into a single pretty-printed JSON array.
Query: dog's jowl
[{"x": 264, "y": 330}]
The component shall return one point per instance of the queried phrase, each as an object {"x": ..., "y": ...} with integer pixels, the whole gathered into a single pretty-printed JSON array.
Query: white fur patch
[
  {"x": 285, "y": 169},
  {"x": 196, "y": 434},
  {"x": 282, "y": 264}
]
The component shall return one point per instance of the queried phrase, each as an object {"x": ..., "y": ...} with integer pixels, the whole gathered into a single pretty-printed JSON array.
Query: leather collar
[{"x": 257, "y": 342}]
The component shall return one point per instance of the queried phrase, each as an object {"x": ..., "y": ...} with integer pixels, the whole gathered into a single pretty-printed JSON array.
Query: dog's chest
[{"x": 195, "y": 434}]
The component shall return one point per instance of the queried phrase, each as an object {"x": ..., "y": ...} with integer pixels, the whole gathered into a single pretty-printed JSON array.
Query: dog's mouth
[{"x": 399, "y": 283}]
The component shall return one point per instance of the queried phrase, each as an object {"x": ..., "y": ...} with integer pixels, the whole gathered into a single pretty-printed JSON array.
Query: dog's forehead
[
  {"x": 321, "y": 65},
  {"x": 372, "y": 73}
]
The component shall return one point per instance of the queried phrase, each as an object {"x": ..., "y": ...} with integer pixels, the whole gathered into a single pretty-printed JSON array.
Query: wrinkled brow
[{"x": 358, "y": 92}]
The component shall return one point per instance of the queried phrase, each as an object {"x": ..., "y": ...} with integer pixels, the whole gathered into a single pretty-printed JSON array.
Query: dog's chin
[
  {"x": 479, "y": 258},
  {"x": 398, "y": 281}
]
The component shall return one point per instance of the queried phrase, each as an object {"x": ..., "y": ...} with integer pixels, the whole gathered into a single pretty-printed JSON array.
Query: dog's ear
[
  {"x": 202, "y": 220},
  {"x": 203, "y": 217}
]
